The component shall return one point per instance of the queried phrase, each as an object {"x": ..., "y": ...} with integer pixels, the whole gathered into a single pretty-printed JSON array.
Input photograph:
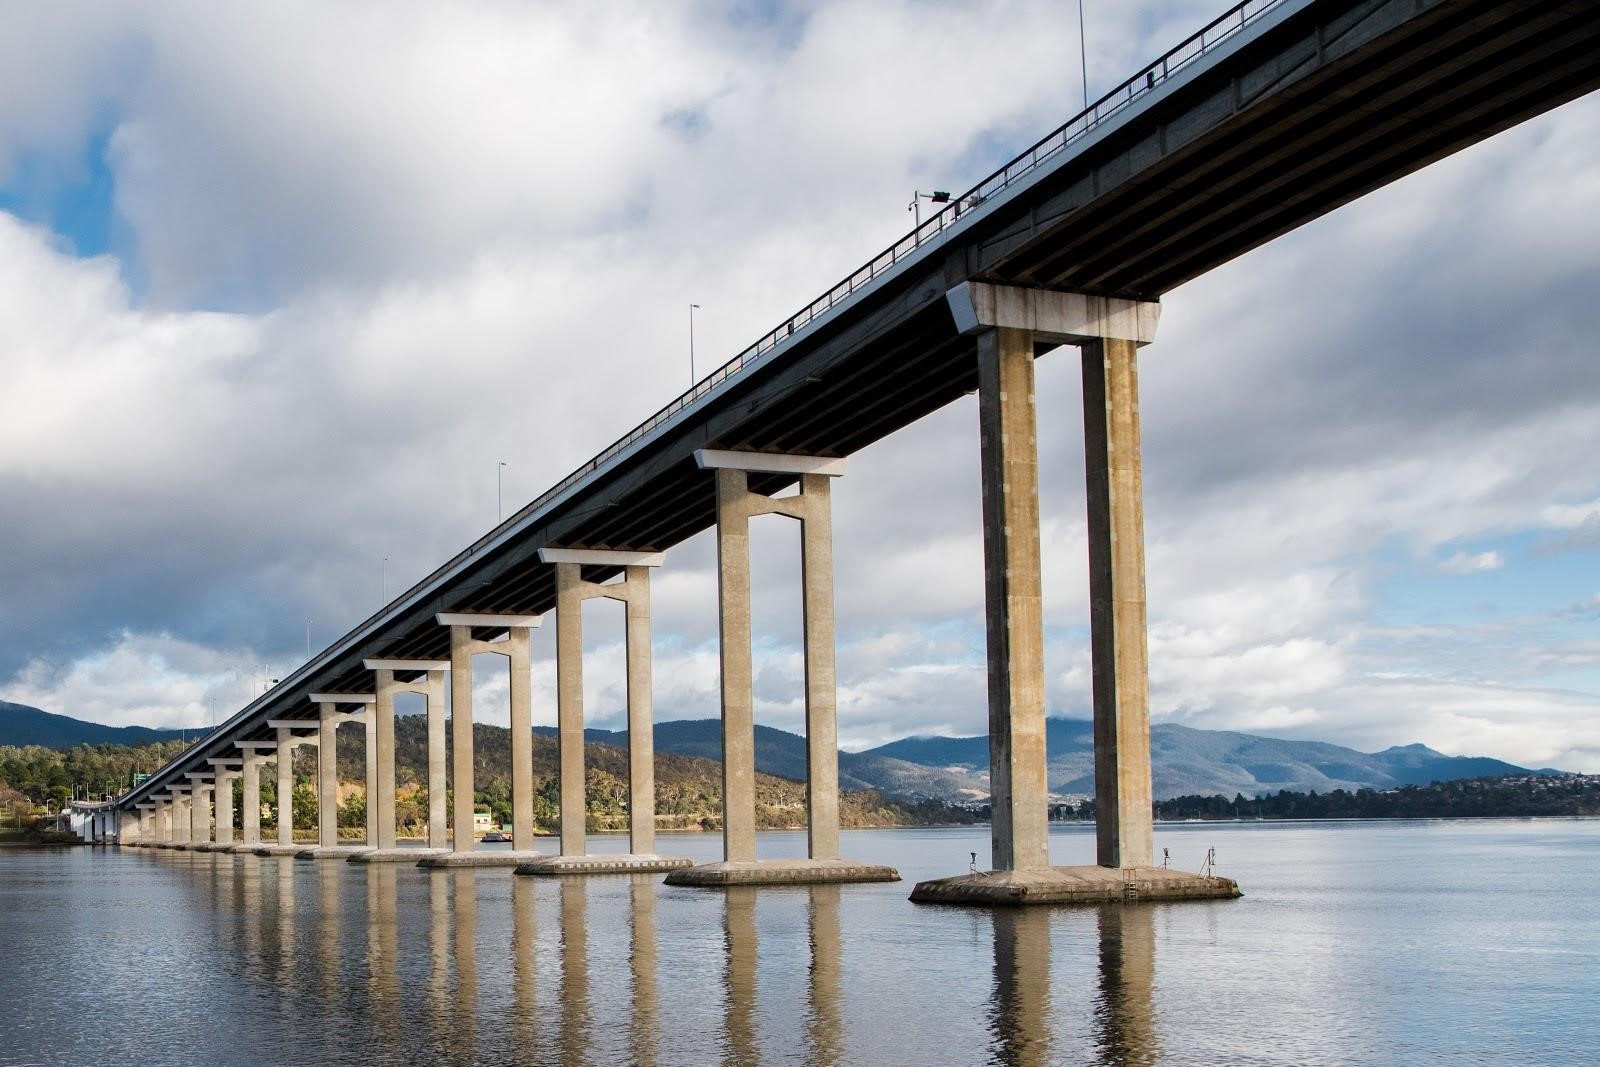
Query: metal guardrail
[{"x": 1211, "y": 35}]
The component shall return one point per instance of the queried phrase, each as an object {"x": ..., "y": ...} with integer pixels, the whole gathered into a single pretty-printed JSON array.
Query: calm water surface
[{"x": 1356, "y": 943}]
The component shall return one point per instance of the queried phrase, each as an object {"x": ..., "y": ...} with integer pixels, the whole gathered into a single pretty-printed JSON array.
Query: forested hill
[{"x": 1508, "y": 796}]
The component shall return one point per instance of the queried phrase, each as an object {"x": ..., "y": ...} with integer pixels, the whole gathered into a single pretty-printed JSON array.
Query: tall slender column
[
  {"x": 285, "y": 787},
  {"x": 738, "y": 676},
  {"x": 370, "y": 747},
  {"x": 328, "y": 775},
  {"x": 250, "y": 798},
  {"x": 1124, "y": 831},
  {"x": 641, "y": 715},
  {"x": 569, "y": 707},
  {"x": 224, "y": 807},
  {"x": 1015, "y": 608},
  {"x": 164, "y": 822},
  {"x": 822, "y": 693},
  {"x": 180, "y": 819},
  {"x": 438, "y": 831},
  {"x": 461, "y": 734},
  {"x": 200, "y": 814},
  {"x": 518, "y": 647}
]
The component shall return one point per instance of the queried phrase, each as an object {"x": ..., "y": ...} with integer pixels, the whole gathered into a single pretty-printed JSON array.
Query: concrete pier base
[
  {"x": 330, "y": 852},
  {"x": 240, "y": 849},
  {"x": 209, "y": 846},
  {"x": 278, "y": 850},
  {"x": 781, "y": 872},
  {"x": 605, "y": 863},
  {"x": 396, "y": 855},
  {"x": 482, "y": 858},
  {"x": 1074, "y": 885}
]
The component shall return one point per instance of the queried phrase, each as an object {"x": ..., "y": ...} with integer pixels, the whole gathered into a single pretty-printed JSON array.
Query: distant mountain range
[
  {"x": 1186, "y": 761},
  {"x": 23, "y": 725}
]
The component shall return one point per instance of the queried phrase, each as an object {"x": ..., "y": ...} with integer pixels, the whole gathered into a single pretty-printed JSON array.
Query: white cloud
[{"x": 1472, "y": 562}]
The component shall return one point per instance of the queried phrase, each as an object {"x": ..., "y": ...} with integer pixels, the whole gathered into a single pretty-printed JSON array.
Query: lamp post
[
  {"x": 692, "y": 376},
  {"x": 938, "y": 196},
  {"x": 499, "y": 506}
]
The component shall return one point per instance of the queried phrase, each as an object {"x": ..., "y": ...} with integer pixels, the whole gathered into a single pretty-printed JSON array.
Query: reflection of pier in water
[
  {"x": 824, "y": 1032},
  {"x": 1124, "y": 1010}
]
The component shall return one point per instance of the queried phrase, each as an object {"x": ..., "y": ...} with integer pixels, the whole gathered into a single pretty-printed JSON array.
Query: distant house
[{"x": 482, "y": 821}]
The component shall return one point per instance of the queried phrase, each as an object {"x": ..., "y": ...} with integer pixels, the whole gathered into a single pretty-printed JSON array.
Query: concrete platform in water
[
  {"x": 781, "y": 872},
  {"x": 481, "y": 859},
  {"x": 278, "y": 850},
  {"x": 330, "y": 852},
  {"x": 1074, "y": 885},
  {"x": 397, "y": 855},
  {"x": 605, "y": 863}
]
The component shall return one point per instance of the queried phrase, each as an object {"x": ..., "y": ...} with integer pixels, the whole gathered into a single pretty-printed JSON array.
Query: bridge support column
[
  {"x": 328, "y": 720},
  {"x": 180, "y": 817},
  {"x": 223, "y": 803},
  {"x": 737, "y": 504},
  {"x": 634, "y": 594},
  {"x": 514, "y": 645},
  {"x": 1011, "y": 326},
  {"x": 200, "y": 815},
  {"x": 164, "y": 823},
  {"x": 287, "y": 742},
  {"x": 250, "y": 793},
  {"x": 429, "y": 681}
]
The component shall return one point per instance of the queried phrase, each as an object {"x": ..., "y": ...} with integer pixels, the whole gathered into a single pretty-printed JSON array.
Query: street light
[
  {"x": 308, "y": 640},
  {"x": 499, "y": 507},
  {"x": 938, "y": 196},
  {"x": 692, "y": 376}
]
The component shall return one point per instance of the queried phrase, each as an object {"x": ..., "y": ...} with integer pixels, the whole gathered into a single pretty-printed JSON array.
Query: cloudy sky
[{"x": 280, "y": 286}]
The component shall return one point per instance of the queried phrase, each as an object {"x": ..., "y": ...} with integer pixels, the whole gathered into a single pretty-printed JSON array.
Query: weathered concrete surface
[
  {"x": 330, "y": 852},
  {"x": 397, "y": 855},
  {"x": 1115, "y": 489},
  {"x": 278, "y": 850},
  {"x": 738, "y": 671},
  {"x": 781, "y": 872},
  {"x": 482, "y": 858},
  {"x": 243, "y": 848},
  {"x": 1014, "y": 602},
  {"x": 605, "y": 863},
  {"x": 1073, "y": 885}
]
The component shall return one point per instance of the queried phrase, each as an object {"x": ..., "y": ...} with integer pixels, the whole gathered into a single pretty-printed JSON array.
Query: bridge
[{"x": 1274, "y": 114}]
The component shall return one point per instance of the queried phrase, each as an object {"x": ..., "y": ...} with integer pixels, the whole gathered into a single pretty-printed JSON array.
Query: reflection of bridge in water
[
  {"x": 379, "y": 965},
  {"x": 1277, "y": 113}
]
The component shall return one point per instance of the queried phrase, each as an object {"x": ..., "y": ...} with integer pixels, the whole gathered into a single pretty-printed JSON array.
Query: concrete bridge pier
[
  {"x": 1011, "y": 326},
  {"x": 329, "y": 718},
  {"x": 288, "y": 741},
  {"x": 737, "y": 504},
  {"x": 226, "y": 770},
  {"x": 200, "y": 813},
  {"x": 180, "y": 816},
  {"x": 427, "y": 678},
  {"x": 515, "y": 636},
  {"x": 634, "y": 594},
  {"x": 255, "y": 753}
]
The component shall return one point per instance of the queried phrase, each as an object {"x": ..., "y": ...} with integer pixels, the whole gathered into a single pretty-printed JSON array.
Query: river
[{"x": 1355, "y": 943}]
